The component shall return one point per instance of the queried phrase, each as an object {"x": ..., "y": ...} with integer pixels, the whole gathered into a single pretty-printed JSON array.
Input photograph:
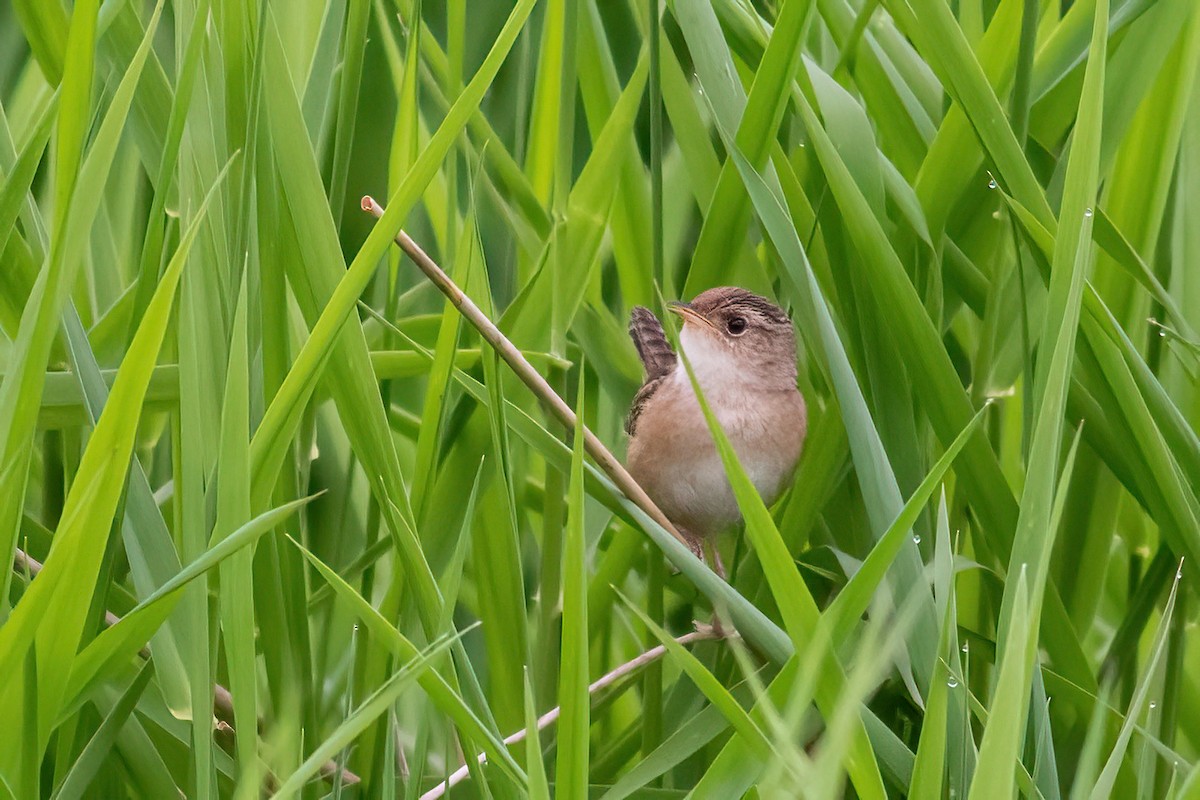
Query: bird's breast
[{"x": 673, "y": 455}]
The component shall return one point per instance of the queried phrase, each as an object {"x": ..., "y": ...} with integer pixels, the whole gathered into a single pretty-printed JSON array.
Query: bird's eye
[{"x": 736, "y": 326}]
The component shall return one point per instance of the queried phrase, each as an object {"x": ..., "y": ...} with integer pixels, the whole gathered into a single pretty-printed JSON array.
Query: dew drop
[
  {"x": 1179, "y": 574},
  {"x": 1087, "y": 212},
  {"x": 1154, "y": 704},
  {"x": 916, "y": 538},
  {"x": 966, "y": 648},
  {"x": 992, "y": 183},
  {"x": 952, "y": 682},
  {"x": 1162, "y": 333}
]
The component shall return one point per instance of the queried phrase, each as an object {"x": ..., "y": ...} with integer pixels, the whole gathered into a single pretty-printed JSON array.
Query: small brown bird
[{"x": 742, "y": 349}]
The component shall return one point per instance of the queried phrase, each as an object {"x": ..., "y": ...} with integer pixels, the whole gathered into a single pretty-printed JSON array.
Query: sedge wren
[{"x": 742, "y": 349}]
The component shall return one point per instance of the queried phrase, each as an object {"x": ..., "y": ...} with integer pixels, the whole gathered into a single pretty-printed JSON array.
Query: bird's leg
[
  {"x": 694, "y": 543},
  {"x": 706, "y": 550},
  {"x": 712, "y": 555}
]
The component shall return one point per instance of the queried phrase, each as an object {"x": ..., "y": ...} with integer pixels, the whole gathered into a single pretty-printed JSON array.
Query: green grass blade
[
  {"x": 116, "y": 645},
  {"x": 571, "y": 773},
  {"x": 21, "y": 392},
  {"x": 378, "y": 703},
  {"x": 998, "y": 752},
  {"x": 1071, "y": 257},
  {"x": 17, "y": 182},
  {"x": 272, "y": 431},
  {"x": 353, "y": 48},
  {"x": 99, "y": 747},
  {"x": 854, "y": 599},
  {"x": 75, "y": 109},
  {"x": 79, "y": 544},
  {"x": 1105, "y": 783},
  {"x": 539, "y": 789},
  {"x": 756, "y": 128},
  {"x": 439, "y": 691},
  {"x": 237, "y": 574},
  {"x": 795, "y": 603}
]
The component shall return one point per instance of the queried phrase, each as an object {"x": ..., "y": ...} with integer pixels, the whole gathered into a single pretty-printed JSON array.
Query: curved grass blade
[
  {"x": 46, "y": 614},
  {"x": 708, "y": 683},
  {"x": 98, "y": 748},
  {"x": 856, "y": 596},
  {"x": 371, "y": 708},
  {"x": 1105, "y": 784},
  {"x": 796, "y": 605},
  {"x": 439, "y": 691},
  {"x": 115, "y": 646}
]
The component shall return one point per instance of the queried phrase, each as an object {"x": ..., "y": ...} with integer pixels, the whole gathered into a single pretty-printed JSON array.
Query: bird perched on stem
[{"x": 742, "y": 349}]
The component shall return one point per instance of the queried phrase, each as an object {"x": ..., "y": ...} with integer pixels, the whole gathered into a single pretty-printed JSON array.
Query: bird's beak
[{"x": 688, "y": 313}]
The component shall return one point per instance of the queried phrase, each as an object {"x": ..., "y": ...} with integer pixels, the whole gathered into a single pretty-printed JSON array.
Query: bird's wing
[
  {"x": 651, "y": 343},
  {"x": 657, "y": 357},
  {"x": 639, "y": 402}
]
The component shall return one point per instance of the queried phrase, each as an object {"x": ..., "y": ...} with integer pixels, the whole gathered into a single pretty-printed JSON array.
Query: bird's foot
[
  {"x": 712, "y": 557},
  {"x": 694, "y": 542},
  {"x": 715, "y": 627}
]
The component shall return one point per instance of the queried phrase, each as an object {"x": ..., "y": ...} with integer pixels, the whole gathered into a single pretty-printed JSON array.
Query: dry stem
[
  {"x": 547, "y": 719},
  {"x": 529, "y": 376}
]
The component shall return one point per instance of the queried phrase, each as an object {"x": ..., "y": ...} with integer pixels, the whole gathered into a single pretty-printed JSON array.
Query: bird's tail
[{"x": 651, "y": 343}]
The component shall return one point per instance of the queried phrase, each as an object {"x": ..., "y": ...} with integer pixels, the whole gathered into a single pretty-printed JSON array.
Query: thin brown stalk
[
  {"x": 603, "y": 682},
  {"x": 528, "y": 375}
]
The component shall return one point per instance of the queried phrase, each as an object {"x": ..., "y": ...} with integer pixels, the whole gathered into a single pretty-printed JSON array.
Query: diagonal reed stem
[{"x": 528, "y": 375}]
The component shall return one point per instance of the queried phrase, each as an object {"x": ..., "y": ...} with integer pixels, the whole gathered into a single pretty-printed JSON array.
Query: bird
[{"x": 742, "y": 349}]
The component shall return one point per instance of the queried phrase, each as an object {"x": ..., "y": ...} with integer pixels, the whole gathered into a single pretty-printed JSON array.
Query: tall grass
[{"x": 281, "y": 523}]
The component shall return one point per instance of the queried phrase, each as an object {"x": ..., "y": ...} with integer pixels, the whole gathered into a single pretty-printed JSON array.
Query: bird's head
[{"x": 728, "y": 329}]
